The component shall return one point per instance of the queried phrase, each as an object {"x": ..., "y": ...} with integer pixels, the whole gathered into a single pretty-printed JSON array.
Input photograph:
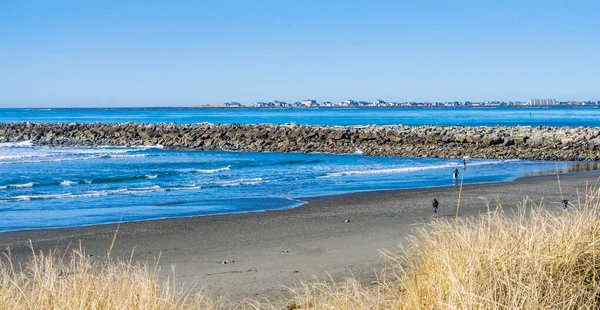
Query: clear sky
[{"x": 182, "y": 53}]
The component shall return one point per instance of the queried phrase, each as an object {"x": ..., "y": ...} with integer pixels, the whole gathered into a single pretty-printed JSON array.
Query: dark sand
[{"x": 318, "y": 242}]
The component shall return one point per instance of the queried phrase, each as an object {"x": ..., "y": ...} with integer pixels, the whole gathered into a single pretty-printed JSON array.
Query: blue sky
[{"x": 182, "y": 53}]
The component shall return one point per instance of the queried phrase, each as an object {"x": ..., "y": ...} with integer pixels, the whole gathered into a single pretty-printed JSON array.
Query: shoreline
[
  {"x": 283, "y": 247},
  {"x": 301, "y": 201}
]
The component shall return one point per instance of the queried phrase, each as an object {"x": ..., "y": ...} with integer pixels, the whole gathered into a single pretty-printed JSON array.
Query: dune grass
[{"x": 539, "y": 258}]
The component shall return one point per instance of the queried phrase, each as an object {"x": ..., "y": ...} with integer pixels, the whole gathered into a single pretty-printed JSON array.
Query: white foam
[
  {"x": 358, "y": 151},
  {"x": 151, "y": 177},
  {"x": 129, "y": 148},
  {"x": 158, "y": 146},
  {"x": 253, "y": 181},
  {"x": 85, "y": 151},
  {"x": 186, "y": 188},
  {"x": 126, "y": 156},
  {"x": 67, "y": 183},
  {"x": 17, "y": 144},
  {"x": 145, "y": 189},
  {"x": 209, "y": 171},
  {"x": 25, "y": 185},
  {"x": 122, "y": 191},
  {"x": 409, "y": 169},
  {"x": 385, "y": 171},
  {"x": 20, "y": 155},
  {"x": 49, "y": 160}
]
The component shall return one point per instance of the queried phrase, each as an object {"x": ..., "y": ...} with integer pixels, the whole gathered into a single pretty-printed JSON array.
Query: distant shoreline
[{"x": 304, "y": 108}]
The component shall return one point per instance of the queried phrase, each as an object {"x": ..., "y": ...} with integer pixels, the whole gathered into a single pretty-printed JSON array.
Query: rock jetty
[{"x": 543, "y": 143}]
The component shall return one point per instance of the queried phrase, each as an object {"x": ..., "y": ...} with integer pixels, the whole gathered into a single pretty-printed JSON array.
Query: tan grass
[
  {"x": 534, "y": 259},
  {"x": 76, "y": 281}
]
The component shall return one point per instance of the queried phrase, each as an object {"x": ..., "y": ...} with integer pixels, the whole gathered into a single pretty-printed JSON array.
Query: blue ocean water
[
  {"x": 59, "y": 187},
  {"x": 557, "y": 117}
]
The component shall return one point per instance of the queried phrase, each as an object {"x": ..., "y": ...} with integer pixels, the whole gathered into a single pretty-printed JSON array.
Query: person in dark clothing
[
  {"x": 435, "y": 204},
  {"x": 565, "y": 205},
  {"x": 455, "y": 174},
  {"x": 464, "y": 163}
]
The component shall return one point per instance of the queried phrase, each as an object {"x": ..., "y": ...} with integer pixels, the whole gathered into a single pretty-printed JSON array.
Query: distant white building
[
  {"x": 261, "y": 104},
  {"x": 545, "y": 102},
  {"x": 309, "y": 103},
  {"x": 281, "y": 104}
]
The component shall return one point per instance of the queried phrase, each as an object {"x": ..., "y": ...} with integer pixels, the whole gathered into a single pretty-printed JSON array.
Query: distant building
[
  {"x": 281, "y": 104},
  {"x": 542, "y": 102},
  {"x": 309, "y": 103},
  {"x": 261, "y": 104},
  {"x": 349, "y": 103},
  {"x": 233, "y": 105},
  {"x": 379, "y": 103}
]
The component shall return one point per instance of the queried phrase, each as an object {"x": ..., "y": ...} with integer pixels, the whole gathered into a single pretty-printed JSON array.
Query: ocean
[
  {"x": 557, "y": 117},
  {"x": 43, "y": 187}
]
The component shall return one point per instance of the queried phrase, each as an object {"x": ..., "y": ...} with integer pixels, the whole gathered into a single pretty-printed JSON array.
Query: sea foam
[
  {"x": 409, "y": 169},
  {"x": 17, "y": 144},
  {"x": 209, "y": 171},
  {"x": 24, "y": 185},
  {"x": 252, "y": 181}
]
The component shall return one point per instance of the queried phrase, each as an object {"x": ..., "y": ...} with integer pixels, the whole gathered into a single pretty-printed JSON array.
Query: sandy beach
[{"x": 268, "y": 251}]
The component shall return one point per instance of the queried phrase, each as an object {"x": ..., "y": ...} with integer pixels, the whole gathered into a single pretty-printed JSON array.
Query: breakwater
[{"x": 543, "y": 143}]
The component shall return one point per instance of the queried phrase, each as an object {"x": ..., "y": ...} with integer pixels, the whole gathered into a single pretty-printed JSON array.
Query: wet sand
[{"x": 269, "y": 250}]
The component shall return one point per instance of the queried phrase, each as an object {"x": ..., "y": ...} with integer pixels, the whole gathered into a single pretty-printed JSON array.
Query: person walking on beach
[
  {"x": 565, "y": 205},
  {"x": 435, "y": 204},
  {"x": 455, "y": 174}
]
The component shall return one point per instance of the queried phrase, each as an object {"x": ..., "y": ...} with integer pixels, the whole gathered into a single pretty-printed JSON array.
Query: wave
[
  {"x": 385, "y": 171},
  {"x": 25, "y": 152},
  {"x": 124, "y": 156},
  {"x": 22, "y": 156},
  {"x": 24, "y": 185},
  {"x": 147, "y": 189},
  {"x": 53, "y": 160},
  {"x": 48, "y": 160},
  {"x": 80, "y": 182},
  {"x": 209, "y": 171},
  {"x": 410, "y": 169},
  {"x": 17, "y": 144},
  {"x": 120, "y": 179},
  {"x": 294, "y": 162},
  {"x": 120, "y": 147},
  {"x": 186, "y": 188},
  {"x": 253, "y": 181},
  {"x": 63, "y": 159},
  {"x": 147, "y": 147},
  {"x": 121, "y": 191}
]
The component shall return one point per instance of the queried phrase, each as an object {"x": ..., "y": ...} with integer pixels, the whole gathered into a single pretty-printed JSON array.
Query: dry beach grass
[{"x": 535, "y": 259}]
